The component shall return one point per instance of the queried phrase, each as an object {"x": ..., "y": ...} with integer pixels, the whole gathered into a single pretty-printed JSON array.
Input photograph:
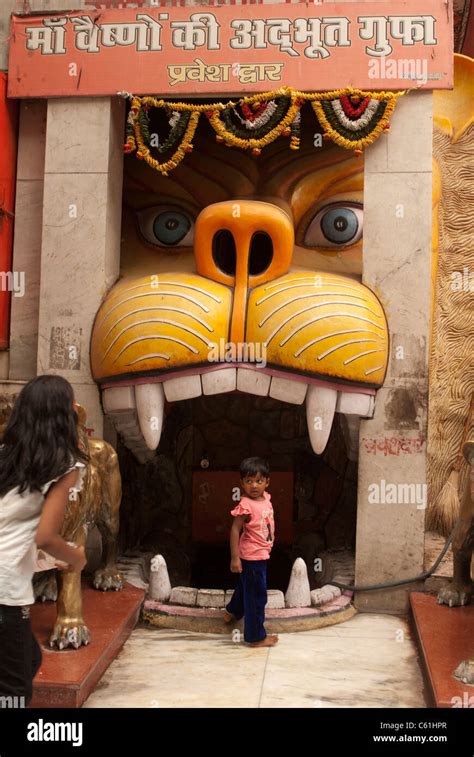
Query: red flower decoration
[
  {"x": 350, "y": 110},
  {"x": 255, "y": 112}
]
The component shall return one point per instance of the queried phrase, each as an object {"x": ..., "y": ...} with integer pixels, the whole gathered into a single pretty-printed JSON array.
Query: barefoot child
[
  {"x": 250, "y": 551},
  {"x": 40, "y": 463}
]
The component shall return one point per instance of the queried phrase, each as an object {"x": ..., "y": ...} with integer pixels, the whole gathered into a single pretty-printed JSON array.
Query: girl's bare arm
[{"x": 48, "y": 536}]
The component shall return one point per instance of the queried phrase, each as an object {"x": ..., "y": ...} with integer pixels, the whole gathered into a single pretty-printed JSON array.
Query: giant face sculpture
[{"x": 261, "y": 253}]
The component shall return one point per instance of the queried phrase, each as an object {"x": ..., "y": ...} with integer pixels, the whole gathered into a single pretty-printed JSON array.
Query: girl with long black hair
[{"x": 41, "y": 467}]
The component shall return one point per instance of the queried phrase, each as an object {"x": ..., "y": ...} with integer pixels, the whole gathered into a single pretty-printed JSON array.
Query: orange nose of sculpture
[{"x": 242, "y": 244}]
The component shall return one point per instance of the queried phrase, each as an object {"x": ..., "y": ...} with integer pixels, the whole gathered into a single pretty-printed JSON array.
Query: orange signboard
[{"x": 233, "y": 49}]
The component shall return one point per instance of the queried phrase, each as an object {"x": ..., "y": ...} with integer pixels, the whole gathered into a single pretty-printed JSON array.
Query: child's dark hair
[
  {"x": 251, "y": 466},
  {"x": 40, "y": 441}
]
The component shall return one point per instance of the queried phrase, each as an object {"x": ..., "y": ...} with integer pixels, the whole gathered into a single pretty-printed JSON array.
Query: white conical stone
[
  {"x": 298, "y": 593},
  {"x": 160, "y": 587},
  {"x": 275, "y": 600}
]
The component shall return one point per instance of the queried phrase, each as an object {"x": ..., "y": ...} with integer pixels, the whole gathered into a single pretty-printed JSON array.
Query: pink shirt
[{"x": 257, "y": 537}]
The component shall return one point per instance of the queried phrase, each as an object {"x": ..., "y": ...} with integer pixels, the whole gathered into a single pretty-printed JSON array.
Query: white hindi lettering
[
  {"x": 201, "y": 31},
  {"x": 247, "y": 73},
  {"x": 336, "y": 32},
  {"x": 48, "y": 38},
  {"x": 375, "y": 26},
  {"x": 411, "y": 29},
  {"x": 317, "y": 35},
  {"x": 144, "y": 33},
  {"x": 408, "y": 29},
  {"x": 279, "y": 34},
  {"x": 87, "y": 34},
  {"x": 143, "y": 36},
  {"x": 309, "y": 30},
  {"x": 322, "y": 33},
  {"x": 248, "y": 34}
]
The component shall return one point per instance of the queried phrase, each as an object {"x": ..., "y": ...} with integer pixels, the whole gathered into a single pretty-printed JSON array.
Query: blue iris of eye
[
  {"x": 339, "y": 225},
  {"x": 170, "y": 227}
]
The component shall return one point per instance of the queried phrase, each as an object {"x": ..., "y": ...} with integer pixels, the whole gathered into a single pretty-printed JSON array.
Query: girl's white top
[{"x": 19, "y": 519}]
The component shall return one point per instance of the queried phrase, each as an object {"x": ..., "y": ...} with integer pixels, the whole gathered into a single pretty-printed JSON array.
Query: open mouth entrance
[{"x": 178, "y": 504}]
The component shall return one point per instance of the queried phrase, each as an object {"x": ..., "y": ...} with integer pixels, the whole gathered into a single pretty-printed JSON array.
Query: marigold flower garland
[
  {"x": 355, "y": 119},
  {"x": 176, "y": 120},
  {"x": 351, "y": 118},
  {"x": 282, "y": 111},
  {"x": 185, "y": 146}
]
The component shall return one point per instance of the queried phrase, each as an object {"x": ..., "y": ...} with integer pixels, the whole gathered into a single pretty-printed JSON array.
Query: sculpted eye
[
  {"x": 166, "y": 227},
  {"x": 335, "y": 226}
]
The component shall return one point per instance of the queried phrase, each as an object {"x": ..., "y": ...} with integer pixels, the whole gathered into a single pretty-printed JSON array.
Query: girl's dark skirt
[{"x": 20, "y": 656}]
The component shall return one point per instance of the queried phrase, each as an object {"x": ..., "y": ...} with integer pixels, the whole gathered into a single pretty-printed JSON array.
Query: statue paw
[
  {"x": 45, "y": 586},
  {"x": 465, "y": 671},
  {"x": 69, "y": 634},
  {"x": 455, "y": 595},
  {"x": 108, "y": 579}
]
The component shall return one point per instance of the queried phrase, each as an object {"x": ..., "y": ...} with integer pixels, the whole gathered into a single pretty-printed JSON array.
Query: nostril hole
[
  {"x": 223, "y": 252},
  {"x": 261, "y": 253}
]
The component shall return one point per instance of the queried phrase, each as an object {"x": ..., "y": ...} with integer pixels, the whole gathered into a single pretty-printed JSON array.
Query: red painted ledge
[
  {"x": 445, "y": 638},
  {"x": 66, "y": 678}
]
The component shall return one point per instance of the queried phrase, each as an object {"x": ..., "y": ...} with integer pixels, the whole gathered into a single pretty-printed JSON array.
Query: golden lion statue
[
  {"x": 459, "y": 591},
  {"x": 97, "y": 504},
  {"x": 451, "y": 368}
]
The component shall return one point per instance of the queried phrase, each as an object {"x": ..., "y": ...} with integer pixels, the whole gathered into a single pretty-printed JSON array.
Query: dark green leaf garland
[
  {"x": 243, "y": 133},
  {"x": 353, "y": 136},
  {"x": 175, "y": 135}
]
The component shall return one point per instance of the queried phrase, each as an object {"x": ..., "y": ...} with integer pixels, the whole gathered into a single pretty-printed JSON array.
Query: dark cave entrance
[{"x": 203, "y": 442}]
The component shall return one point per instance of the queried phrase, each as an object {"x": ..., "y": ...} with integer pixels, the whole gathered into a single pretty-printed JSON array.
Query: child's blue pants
[{"x": 249, "y": 599}]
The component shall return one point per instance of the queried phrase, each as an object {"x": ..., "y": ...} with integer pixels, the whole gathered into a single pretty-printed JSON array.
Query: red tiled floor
[
  {"x": 66, "y": 678},
  {"x": 446, "y": 637}
]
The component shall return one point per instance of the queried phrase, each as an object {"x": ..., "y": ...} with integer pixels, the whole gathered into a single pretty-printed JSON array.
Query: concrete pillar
[
  {"x": 7, "y": 7},
  {"x": 27, "y": 238},
  {"x": 20, "y": 362},
  {"x": 80, "y": 252},
  {"x": 4, "y": 364},
  {"x": 397, "y": 266}
]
